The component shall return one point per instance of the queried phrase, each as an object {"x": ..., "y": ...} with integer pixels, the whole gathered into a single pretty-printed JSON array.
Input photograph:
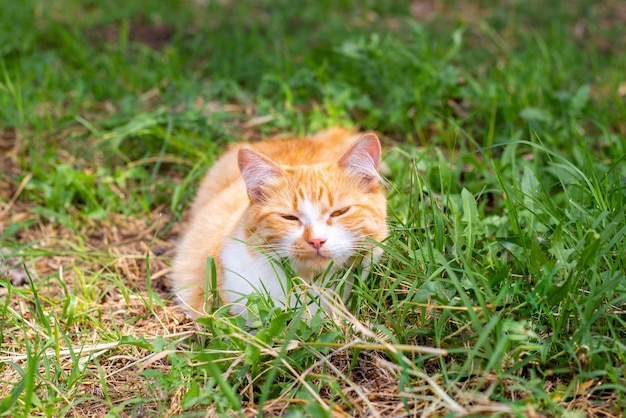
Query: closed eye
[
  {"x": 290, "y": 217},
  {"x": 339, "y": 212}
]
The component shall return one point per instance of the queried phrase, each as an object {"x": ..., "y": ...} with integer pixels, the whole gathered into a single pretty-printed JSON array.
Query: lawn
[{"x": 502, "y": 287}]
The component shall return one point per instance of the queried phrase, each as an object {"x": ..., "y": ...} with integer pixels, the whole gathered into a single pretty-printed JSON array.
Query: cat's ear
[
  {"x": 256, "y": 170},
  {"x": 363, "y": 159}
]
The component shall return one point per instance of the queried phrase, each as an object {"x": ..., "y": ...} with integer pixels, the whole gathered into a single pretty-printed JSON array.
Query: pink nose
[{"x": 317, "y": 242}]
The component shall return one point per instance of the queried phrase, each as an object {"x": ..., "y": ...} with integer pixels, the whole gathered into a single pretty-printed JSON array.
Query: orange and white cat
[{"x": 316, "y": 202}]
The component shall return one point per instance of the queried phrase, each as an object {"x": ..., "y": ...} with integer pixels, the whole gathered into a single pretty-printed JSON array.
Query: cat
[{"x": 316, "y": 202}]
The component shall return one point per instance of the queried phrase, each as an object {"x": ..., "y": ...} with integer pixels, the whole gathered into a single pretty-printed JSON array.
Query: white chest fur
[{"x": 247, "y": 272}]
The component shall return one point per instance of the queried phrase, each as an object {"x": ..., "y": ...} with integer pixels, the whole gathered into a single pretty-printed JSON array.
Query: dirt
[{"x": 140, "y": 30}]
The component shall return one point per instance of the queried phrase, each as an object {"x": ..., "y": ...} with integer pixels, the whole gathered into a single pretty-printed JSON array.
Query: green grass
[{"x": 502, "y": 289}]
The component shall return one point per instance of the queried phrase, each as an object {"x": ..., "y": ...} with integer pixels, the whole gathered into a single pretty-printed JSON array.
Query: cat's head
[{"x": 316, "y": 214}]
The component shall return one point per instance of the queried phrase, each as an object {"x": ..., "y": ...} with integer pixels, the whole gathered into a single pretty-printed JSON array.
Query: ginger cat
[{"x": 313, "y": 201}]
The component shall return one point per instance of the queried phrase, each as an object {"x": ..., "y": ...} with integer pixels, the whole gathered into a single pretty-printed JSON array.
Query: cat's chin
[{"x": 313, "y": 266}]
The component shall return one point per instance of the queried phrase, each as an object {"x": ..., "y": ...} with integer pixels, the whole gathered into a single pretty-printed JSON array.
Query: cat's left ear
[
  {"x": 257, "y": 170},
  {"x": 363, "y": 159}
]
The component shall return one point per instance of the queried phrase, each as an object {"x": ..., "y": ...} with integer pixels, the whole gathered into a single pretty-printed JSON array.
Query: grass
[{"x": 502, "y": 288}]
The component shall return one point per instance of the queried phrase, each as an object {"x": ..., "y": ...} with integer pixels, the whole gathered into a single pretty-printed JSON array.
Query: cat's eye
[
  {"x": 290, "y": 217},
  {"x": 339, "y": 212}
]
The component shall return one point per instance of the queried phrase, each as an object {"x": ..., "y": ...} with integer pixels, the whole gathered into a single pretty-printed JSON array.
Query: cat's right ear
[
  {"x": 257, "y": 170},
  {"x": 363, "y": 159}
]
